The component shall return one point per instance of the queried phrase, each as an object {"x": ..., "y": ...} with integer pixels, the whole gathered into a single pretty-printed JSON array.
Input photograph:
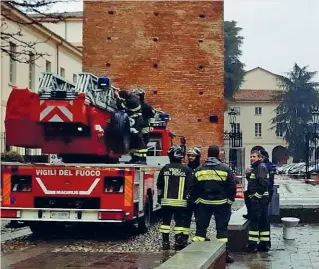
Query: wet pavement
[
  {"x": 301, "y": 253},
  {"x": 71, "y": 260}
]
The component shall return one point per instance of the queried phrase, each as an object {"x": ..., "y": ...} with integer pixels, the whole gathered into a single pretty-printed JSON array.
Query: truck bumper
[{"x": 65, "y": 215}]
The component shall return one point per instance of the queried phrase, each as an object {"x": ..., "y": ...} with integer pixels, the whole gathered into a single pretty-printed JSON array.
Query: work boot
[
  {"x": 165, "y": 245},
  {"x": 229, "y": 258},
  {"x": 251, "y": 247},
  {"x": 179, "y": 241},
  {"x": 263, "y": 247}
]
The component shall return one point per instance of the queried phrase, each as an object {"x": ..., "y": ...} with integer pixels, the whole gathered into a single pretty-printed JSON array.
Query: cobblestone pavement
[{"x": 301, "y": 253}]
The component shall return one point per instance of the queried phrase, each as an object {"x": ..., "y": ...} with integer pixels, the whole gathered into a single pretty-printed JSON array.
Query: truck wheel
[
  {"x": 118, "y": 133},
  {"x": 144, "y": 223},
  {"x": 40, "y": 230}
]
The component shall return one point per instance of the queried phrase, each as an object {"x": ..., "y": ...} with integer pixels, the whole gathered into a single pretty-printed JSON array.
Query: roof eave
[{"x": 42, "y": 29}]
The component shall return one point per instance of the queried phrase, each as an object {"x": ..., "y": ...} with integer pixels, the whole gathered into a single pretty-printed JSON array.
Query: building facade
[
  {"x": 68, "y": 25},
  {"x": 255, "y": 104},
  {"x": 60, "y": 56},
  {"x": 166, "y": 48}
]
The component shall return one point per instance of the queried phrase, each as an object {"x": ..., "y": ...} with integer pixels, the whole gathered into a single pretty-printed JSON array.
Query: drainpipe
[{"x": 57, "y": 57}]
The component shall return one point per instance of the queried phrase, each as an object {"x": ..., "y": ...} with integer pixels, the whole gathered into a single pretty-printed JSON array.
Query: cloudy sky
[{"x": 277, "y": 33}]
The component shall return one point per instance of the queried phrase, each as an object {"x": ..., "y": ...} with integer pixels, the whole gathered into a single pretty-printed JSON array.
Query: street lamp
[
  {"x": 315, "y": 115},
  {"x": 232, "y": 116},
  {"x": 233, "y": 142}
]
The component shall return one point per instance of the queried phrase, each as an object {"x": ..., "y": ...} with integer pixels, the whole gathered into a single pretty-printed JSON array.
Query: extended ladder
[
  {"x": 88, "y": 83},
  {"x": 52, "y": 86}
]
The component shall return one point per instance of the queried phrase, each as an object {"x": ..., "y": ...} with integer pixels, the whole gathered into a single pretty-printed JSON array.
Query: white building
[
  {"x": 255, "y": 103},
  {"x": 61, "y": 57},
  {"x": 68, "y": 25}
]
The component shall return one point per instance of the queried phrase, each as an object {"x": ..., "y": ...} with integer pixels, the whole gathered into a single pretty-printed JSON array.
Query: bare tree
[{"x": 13, "y": 43}]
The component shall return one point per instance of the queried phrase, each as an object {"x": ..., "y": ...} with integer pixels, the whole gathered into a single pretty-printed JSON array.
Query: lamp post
[
  {"x": 233, "y": 141},
  {"x": 312, "y": 141}
]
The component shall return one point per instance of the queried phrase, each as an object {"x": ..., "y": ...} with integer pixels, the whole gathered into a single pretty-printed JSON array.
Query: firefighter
[
  {"x": 148, "y": 114},
  {"x": 131, "y": 104},
  {"x": 258, "y": 197},
  {"x": 172, "y": 185},
  {"x": 271, "y": 173},
  {"x": 193, "y": 155},
  {"x": 213, "y": 188}
]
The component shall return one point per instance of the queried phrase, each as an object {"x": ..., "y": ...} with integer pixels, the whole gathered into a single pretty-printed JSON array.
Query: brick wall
[{"x": 172, "y": 49}]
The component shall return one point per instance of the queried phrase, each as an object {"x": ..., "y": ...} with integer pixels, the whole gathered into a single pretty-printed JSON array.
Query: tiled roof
[{"x": 257, "y": 95}]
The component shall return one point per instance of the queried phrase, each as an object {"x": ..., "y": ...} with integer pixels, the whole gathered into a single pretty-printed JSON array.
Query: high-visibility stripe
[
  {"x": 256, "y": 195},
  {"x": 217, "y": 175},
  {"x": 178, "y": 230},
  {"x": 164, "y": 229},
  {"x": 6, "y": 189},
  {"x": 252, "y": 175},
  {"x": 255, "y": 239},
  {"x": 211, "y": 202},
  {"x": 181, "y": 188},
  {"x": 174, "y": 202},
  {"x": 264, "y": 233},
  {"x": 198, "y": 239},
  {"x": 165, "y": 186},
  {"x": 264, "y": 238},
  {"x": 253, "y": 233},
  {"x": 128, "y": 191},
  {"x": 186, "y": 231},
  {"x": 222, "y": 240},
  {"x": 135, "y": 109}
]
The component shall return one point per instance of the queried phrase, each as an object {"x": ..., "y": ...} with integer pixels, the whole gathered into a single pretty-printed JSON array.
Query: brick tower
[{"x": 173, "y": 49}]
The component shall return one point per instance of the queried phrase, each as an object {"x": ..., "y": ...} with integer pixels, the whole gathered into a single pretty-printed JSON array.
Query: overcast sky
[{"x": 277, "y": 33}]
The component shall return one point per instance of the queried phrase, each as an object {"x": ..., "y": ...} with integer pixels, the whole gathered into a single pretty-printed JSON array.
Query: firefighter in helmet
[
  {"x": 130, "y": 102},
  {"x": 148, "y": 114},
  {"x": 257, "y": 204},
  {"x": 213, "y": 189},
  {"x": 172, "y": 185},
  {"x": 193, "y": 156}
]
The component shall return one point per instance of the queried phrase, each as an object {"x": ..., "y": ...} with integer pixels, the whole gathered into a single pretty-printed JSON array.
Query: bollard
[{"x": 289, "y": 231}]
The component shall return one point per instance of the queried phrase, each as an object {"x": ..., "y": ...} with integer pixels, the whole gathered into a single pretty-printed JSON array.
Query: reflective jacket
[
  {"x": 172, "y": 184},
  {"x": 213, "y": 183},
  {"x": 258, "y": 181},
  {"x": 148, "y": 114}
]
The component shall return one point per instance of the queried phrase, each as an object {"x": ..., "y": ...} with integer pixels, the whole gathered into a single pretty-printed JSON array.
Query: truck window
[
  {"x": 114, "y": 184},
  {"x": 21, "y": 183}
]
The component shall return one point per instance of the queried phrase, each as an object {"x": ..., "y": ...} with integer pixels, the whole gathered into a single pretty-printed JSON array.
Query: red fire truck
[{"x": 92, "y": 184}]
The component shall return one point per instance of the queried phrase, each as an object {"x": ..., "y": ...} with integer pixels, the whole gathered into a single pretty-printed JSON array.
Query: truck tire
[
  {"x": 118, "y": 133},
  {"x": 144, "y": 223}
]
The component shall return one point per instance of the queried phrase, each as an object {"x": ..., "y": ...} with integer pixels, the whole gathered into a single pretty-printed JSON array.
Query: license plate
[{"x": 60, "y": 215}]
